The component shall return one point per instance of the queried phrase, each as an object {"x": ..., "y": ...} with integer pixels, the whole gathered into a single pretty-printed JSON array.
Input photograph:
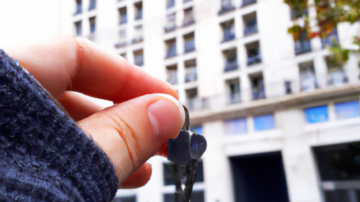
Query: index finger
[{"x": 69, "y": 63}]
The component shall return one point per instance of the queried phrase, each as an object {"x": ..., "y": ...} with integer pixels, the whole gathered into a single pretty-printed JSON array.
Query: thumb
[{"x": 133, "y": 131}]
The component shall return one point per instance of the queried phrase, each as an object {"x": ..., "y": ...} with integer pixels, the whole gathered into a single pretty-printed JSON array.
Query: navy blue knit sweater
[{"x": 44, "y": 155}]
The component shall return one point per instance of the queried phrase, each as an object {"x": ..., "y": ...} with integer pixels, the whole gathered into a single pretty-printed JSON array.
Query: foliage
[{"x": 329, "y": 13}]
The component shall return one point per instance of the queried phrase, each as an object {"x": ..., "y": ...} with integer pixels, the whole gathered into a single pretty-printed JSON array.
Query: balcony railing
[
  {"x": 139, "y": 60},
  {"x": 171, "y": 52},
  {"x": 231, "y": 65},
  {"x": 302, "y": 46},
  {"x": 252, "y": 60},
  {"x": 139, "y": 15},
  {"x": 172, "y": 77},
  {"x": 171, "y": 28},
  {"x": 336, "y": 78},
  {"x": 136, "y": 40},
  {"x": 190, "y": 74},
  {"x": 228, "y": 35},
  {"x": 194, "y": 104},
  {"x": 188, "y": 19},
  {"x": 120, "y": 44},
  {"x": 226, "y": 8},
  {"x": 185, "y": 1},
  {"x": 308, "y": 82},
  {"x": 123, "y": 19},
  {"x": 248, "y": 2},
  {"x": 250, "y": 30},
  {"x": 258, "y": 93},
  {"x": 234, "y": 98},
  {"x": 170, "y": 4},
  {"x": 189, "y": 46},
  {"x": 92, "y": 5}
]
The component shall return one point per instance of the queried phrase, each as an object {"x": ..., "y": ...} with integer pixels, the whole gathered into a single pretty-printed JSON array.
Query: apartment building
[{"x": 281, "y": 122}]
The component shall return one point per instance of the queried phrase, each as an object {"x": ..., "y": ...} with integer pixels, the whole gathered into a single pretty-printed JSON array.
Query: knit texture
[{"x": 44, "y": 155}]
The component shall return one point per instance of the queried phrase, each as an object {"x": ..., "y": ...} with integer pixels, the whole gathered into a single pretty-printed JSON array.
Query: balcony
[
  {"x": 92, "y": 5},
  {"x": 168, "y": 29},
  {"x": 225, "y": 9},
  {"x": 172, "y": 76},
  {"x": 171, "y": 52},
  {"x": 253, "y": 59},
  {"x": 336, "y": 78},
  {"x": 139, "y": 15},
  {"x": 258, "y": 93},
  {"x": 308, "y": 82},
  {"x": 120, "y": 44},
  {"x": 248, "y": 2},
  {"x": 188, "y": 17},
  {"x": 190, "y": 74},
  {"x": 185, "y": 1},
  {"x": 189, "y": 46},
  {"x": 302, "y": 46},
  {"x": 137, "y": 40},
  {"x": 139, "y": 60},
  {"x": 250, "y": 30},
  {"x": 230, "y": 65},
  {"x": 228, "y": 35}
]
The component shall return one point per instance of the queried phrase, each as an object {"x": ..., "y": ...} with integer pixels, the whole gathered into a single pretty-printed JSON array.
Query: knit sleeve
[{"x": 44, "y": 155}]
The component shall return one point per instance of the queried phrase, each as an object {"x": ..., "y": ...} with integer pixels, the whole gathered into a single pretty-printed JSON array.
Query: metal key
[{"x": 185, "y": 151}]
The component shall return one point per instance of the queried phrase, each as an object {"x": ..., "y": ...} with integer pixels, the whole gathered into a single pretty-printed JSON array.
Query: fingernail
[
  {"x": 162, "y": 115},
  {"x": 177, "y": 103}
]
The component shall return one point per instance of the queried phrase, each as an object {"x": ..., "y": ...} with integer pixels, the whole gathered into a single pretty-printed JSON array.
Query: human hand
[{"x": 129, "y": 132}]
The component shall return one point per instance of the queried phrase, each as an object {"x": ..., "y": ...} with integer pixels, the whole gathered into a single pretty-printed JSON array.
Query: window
[
  {"x": 257, "y": 87},
  {"x": 170, "y": 48},
  {"x": 235, "y": 126},
  {"x": 197, "y": 130},
  {"x": 247, "y": 2},
  {"x": 185, "y": 1},
  {"x": 336, "y": 74},
  {"x": 78, "y": 28},
  {"x": 170, "y": 23},
  {"x": 316, "y": 114},
  {"x": 139, "y": 58},
  {"x": 189, "y": 45},
  {"x": 78, "y": 7},
  {"x": 123, "y": 55},
  {"x": 92, "y": 4},
  {"x": 250, "y": 24},
  {"x": 253, "y": 53},
  {"x": 345, "y": 110},
  {"x": 170, "y": 170},
  {"x": 228, "y": 30},
  {"x": 92, "y": 25},
  {"x": 190, "y": 71},
  {"x": 288, "y": 88},
  {"x": 307, "y": 76},
  {"x": 125, "y": 199},
  {"x": 171, "y": 72},
  {"x": 264, "y": 122},
  {"x": 188, "y": 17},
  {"x": 138, "y": 34},
  {"x": 226, "y": 5},
  {"x": 123, "y": 15},
  {"x": 230, "y": 58},
  {"x": 138, "y": 11},
  {"x": 302, "y": 44},
  {"x": 170, "y": 3},
  {"x": 233, "y": 91}
]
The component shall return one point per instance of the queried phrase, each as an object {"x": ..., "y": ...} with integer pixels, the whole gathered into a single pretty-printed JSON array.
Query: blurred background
[{"x": 273, "y": 85}]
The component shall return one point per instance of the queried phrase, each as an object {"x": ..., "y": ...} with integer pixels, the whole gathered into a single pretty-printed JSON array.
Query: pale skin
[{"x": 124, "y": 131}]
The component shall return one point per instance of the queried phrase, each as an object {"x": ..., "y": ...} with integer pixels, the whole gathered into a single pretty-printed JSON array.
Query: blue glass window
[
  {"x": 317, "y": 114},
  {"x": 196, "y": 129},
  {"x": 264, "y": 122},
  {"x": 345, "y": 110},
  {"x": 236, "y": 126}
]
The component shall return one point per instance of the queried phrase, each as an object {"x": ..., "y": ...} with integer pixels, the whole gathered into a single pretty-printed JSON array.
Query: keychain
[{"x": 185, "y": 151}]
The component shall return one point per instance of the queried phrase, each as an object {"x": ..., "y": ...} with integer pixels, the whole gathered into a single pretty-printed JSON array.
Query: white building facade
[
  {"x": 268, "y": 106},
  {"x": 281, "y": 124}
]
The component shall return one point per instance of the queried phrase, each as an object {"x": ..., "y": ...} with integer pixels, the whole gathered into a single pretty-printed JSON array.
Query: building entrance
[{"x": 259, "y": 178}]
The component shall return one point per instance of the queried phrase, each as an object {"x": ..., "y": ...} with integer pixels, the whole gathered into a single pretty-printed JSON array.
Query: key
[{"x": 185, "y": 151}]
